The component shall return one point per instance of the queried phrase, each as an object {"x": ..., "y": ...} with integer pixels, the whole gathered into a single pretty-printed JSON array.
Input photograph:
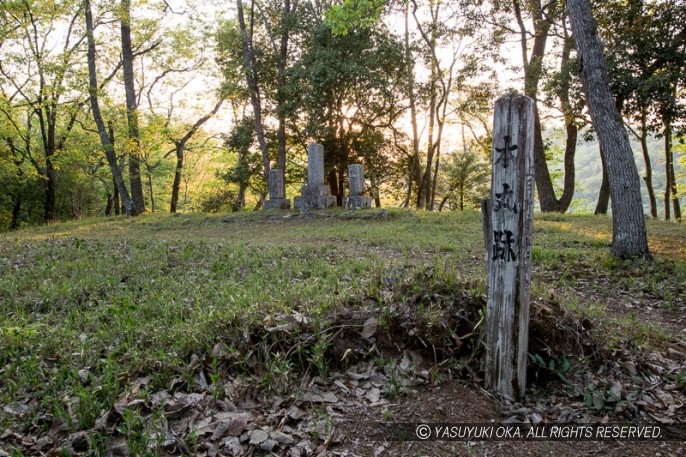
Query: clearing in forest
[{"x": 285, "y": 333}]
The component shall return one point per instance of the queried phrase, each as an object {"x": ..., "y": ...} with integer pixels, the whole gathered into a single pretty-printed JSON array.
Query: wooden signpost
[{"x": 510, "y": 236}]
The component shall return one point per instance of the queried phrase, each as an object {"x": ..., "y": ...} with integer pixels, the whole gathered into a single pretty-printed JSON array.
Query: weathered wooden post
[{"x": 509, "y": 259}]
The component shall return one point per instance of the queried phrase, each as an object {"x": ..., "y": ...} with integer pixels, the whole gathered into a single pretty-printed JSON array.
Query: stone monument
[
  {"x": 315, "y": 194},
  {"x": 357, "y": 199},
  {"x": 277, "y": 191}
]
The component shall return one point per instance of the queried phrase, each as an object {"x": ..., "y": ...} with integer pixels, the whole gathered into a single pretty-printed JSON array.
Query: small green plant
[
  {"x": 278, "y": 372},
  {"x": 133, "y": 429},
  {"x": 395, "y": 386},
  {"x": 681, "y": 379},
  {"x": 318, "y": 356},
  {"x": 560, "y": 367},
  {"x": 216, "y": 388},
  {"x": 387, "y": 414}
]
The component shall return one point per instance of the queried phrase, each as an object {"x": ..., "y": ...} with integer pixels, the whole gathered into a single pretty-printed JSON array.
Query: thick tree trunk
[
  {"x": 629, "y": 237},
  {"x": 135, "y": 179},
  {"x": 97, "y": 116}
]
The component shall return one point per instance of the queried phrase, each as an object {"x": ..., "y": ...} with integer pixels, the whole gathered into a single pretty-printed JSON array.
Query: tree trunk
[
  {"x": 604, "y": 192},
  {"x": 629, "y": 237},
  {"x": 414, "y": 171},
  {"x": 435, "y": 177},
  {"x": 110, "y": 204},
  {"x": 135, "y": 179},
  {"x": 443, "y": 201},
  {"x": 150, "y": 189},
  {"x": 180, "y": 149},
  {"x": 289, "y": 11},
  {"x": 671, "y": 195},
  {"x": 177, "y": 179},
  {"x": 252, "y": 81},
  {"x": 50, "y": 194},
  {"x": 97, "y": 116},
  {"x": 533, "y": 69},
  {"x": 570, "y": 126},
  {"x": 115, "y": 191},
  {"x": 648, "y": 178},
  {"x": 16, "y": 213}
]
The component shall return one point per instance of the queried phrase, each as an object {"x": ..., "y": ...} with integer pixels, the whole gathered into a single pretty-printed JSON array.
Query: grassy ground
[{"x": 88, "y": 308}]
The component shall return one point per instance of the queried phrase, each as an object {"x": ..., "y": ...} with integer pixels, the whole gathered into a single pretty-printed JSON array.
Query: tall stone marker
[
  {"x": 277, "y": 191},
  {"x": 511, "y": 233},
  {"x": 357, "y": 199},
  {"x": 315, "y": 194}
]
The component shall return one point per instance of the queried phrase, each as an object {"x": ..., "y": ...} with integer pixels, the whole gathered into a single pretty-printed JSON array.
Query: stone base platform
[
  {"x": 357, "y": 202},
  {"x": 277, "y": 203}
]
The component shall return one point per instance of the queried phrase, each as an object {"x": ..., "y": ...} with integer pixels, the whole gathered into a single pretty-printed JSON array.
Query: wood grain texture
[{"x": 509, "y": 259}]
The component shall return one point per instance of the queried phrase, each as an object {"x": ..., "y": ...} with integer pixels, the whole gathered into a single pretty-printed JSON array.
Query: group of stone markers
[{"x": 316, "y": 194}]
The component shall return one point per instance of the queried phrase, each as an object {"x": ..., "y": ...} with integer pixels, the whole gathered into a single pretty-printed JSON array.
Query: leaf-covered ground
[{"x": 300, "y": 334}]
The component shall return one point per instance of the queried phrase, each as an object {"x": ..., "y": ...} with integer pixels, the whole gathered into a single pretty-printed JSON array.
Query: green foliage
[
  {"x": 353, "y": 15},
  {"x": 466, "y": 176},
  {"x": 645, "y": 57},
  {"x": 344, "y": 88}
]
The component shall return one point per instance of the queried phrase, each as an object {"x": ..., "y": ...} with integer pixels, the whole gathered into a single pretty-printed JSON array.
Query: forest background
[{"x": 133, "y": 106}]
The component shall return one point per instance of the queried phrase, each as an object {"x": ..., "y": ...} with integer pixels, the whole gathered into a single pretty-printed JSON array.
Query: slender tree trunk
[
  {"x": 110, "y": 204},
  {"x": 533, "y": 69},
  {"x": 180, "y": 150},
  {"x": 424, "y": 197},
  {"x": 629, "y": 236},
  {"x": 443, "y": 201},
  {"x": 604, "y": 192},
  {"x": 648, "y": 178},
  {"x": 289, "y": 10},
  {"x": 122, "y": 169},
  {"x": 177, "y": 179},
  {"x": 242, "y": 187},
  {"x": 570, "y": 126},
  {"x": 341, "y": 184},
  {"x": 435, "y": 176},
  {"x": 97, "y": 116},
  {"x": 135, "y": 179},
  {"x": 375, "y": 189},
  {"x": 150, "y": 189},
  {"x": 668, "y": 183},
  {"x": 672, "y": 196},
  {"x": 115, "y": 191},
  {"x": 50, "y": 193},
  {"x": 252, "y": 81},
  {"x": 16, "y": 213},
  {"x": 414, "y": 169}
]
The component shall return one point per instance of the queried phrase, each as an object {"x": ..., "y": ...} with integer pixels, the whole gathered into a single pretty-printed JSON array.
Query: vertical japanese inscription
[
  {"x": 507, "y": 153},
  {"x": 503, "y": 244},
  {"x": 509, "y": 258},
  {"x": 505, "y": 199}
]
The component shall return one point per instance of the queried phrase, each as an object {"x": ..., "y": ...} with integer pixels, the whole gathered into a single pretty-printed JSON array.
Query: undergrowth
[{"x": 87, "y": 308}]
